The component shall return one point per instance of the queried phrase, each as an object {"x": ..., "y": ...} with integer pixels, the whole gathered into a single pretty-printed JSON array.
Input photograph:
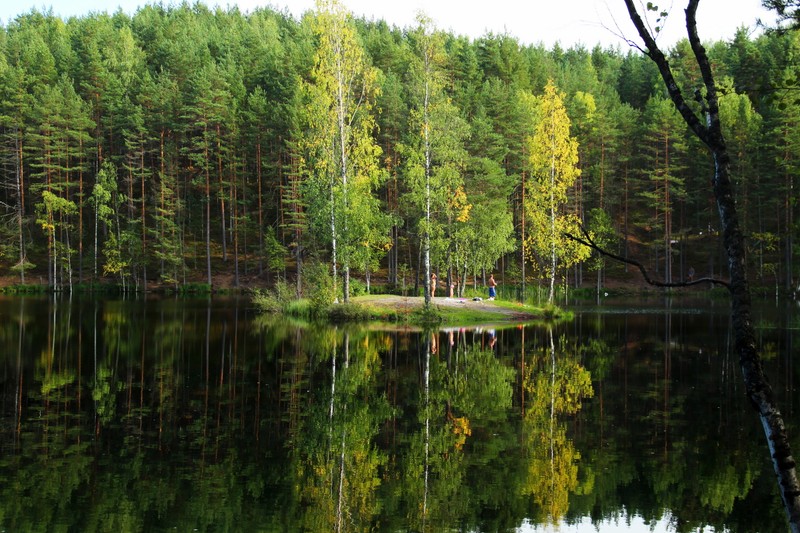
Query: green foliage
[
  {"x": 554, "y": 313},
  {"x": 23, "y": 266},
  {"x": 433, "y": 153},
  {"x": 601, "y": 227},
  {"x": 348, "y": 312},
  {"x": 275, "y": 300},
  {"x": 195, "y": 288},
  {"x": 276, "y": 252},
  {"x": 340, "y": 153},
  {"x": 553, "y": 164},
  {"x": 357, "y": 287},
  {"x": 222, "y": 143},
  {"x": 427, "y": 315},
  {"x": 318, "y": 287},
  {"x": 23, "y": 289}
]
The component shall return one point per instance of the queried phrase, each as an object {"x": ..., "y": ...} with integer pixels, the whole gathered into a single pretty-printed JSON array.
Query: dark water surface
[{"x": 199, "y": 415}]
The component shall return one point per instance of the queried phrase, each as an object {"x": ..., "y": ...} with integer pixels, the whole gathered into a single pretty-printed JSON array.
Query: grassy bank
[{"x": 408, "y": 310}]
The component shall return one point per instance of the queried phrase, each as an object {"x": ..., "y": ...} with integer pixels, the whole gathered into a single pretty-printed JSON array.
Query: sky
[{"x": 567, "y": 22}]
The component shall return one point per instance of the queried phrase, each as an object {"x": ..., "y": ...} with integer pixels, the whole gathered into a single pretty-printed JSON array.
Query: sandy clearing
[{"x": 406, "y": 302}]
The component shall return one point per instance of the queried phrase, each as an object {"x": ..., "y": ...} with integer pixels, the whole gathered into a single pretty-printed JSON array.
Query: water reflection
[
  {"x": 556, "y": 384},
  {"x": 151, "y": 415}
]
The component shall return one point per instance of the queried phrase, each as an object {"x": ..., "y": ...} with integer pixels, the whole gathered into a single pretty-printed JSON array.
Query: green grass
[
  {"x": 388, "y": 309},
  {"x": 24, "y": 289},
  {"x": 440, "y": 314}
]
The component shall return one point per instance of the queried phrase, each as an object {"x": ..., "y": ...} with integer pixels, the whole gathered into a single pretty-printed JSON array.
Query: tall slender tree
[
  {"x": 434, "y": 150},
  {"x": 664, "y": 140},
  {"x": 107, "y": 202},
  {"x": 553, "y": 160},
  {"x": 207, "y": 115},
  {"x": 706, "y": 125},
  {"x": 13, "y": 112},
  {"x": 342, "y": 154}
]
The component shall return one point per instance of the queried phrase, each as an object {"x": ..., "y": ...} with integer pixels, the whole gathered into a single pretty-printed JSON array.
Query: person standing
[
  {"x": 433, "y": 285},
  {"x": 492, "y": 287}
]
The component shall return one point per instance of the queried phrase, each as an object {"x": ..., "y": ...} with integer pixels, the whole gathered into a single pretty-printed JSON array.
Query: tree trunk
[
  {"x": 709, "y": 131},
  {"x": 235, "y": 224},
  {"x": 80, "y": 212},
  {"x": 426, "y": 238},
  {"x": 208, "y": 219},
  {"x": 20, "y": 174},
  {"x": 143, "y": 218},
  {"x": 522, "y": 247},
  {"x": 333, "y": 246},
  {"x": 221, "y": 188},
  {"x": 260, "y": 210}
]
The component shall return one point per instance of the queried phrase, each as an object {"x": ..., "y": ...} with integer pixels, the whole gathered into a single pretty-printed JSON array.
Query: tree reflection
[
  {"x": 184, "y": 416},
  {"x": 469, "y": 385},
  {"x": 336, "y": 463},
  {"x": 555, "y": 384}
]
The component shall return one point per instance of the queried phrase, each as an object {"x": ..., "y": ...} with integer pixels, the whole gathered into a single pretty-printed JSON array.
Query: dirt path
[{"x": 407, "y": 302}]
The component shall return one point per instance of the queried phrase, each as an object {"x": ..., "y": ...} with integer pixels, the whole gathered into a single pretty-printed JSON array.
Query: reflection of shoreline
[
  {"x": 624, "y": 522},
  {"x": 224, "y": 397},
  {"x": 485, "y": 337}
]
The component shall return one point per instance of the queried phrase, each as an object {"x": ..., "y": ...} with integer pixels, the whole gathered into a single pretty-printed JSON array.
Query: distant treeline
[{"x": 184, "y": 144}]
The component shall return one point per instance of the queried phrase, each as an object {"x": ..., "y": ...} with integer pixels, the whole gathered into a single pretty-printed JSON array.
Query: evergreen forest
[{"x": 187, "y": 145}]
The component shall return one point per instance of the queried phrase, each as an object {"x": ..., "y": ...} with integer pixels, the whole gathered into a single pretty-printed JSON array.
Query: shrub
[
  {"x": 552, "y": 312},
  {"x": 357, "y": 287},
  {"x": 195, "y": 288},
  {"x": 427, "y": 315},
  {"x": 276, "y": 300},
  {"x": 318, "y": 287},
  {"x": 24, "y": 289},
  {"x": 348, "y": 313}
]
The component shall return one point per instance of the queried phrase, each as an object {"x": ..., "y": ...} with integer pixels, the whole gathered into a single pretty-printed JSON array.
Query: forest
[{"x": 184, "y": 145}]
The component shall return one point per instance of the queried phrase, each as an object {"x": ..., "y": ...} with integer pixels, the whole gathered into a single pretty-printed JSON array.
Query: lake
[{"x": 158, "y": 414}]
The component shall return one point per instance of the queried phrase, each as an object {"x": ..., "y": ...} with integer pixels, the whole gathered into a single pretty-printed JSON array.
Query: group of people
[{"x": 491, "y": 283}]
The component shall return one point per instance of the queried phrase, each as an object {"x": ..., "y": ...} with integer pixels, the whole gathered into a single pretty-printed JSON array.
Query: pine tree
[
  {"x": 207, "y": 116},
  {"x": 664, "y": 137},
  {"x": 56, "y": 145}
]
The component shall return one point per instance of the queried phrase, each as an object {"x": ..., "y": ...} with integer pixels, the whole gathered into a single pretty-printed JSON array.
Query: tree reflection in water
[
  {"x": 556, "y": 384},
  {"x": 148, "y": 415}
]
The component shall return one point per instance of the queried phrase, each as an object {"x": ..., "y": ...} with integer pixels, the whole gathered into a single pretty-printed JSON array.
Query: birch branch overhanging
[{"x": 588, "y": 241}]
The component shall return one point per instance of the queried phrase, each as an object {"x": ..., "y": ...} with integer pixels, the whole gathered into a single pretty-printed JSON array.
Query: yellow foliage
[
  {"x": 460, "y": 205},
  {"x": 462, "y": 430}
]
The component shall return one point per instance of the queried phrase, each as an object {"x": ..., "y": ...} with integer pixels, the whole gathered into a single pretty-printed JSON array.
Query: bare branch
[
  {"x": 694, "y": 122},
  {"x": 618, "y": 32},
  {"x": 587, "y": 241}
]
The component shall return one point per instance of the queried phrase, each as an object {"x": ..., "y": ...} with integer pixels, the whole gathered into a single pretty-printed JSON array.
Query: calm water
[{"x": 198, "y": 415}]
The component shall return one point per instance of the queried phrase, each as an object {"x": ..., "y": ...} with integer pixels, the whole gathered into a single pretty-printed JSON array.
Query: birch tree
[
  {"x": 341, "y": 154},
  {"x": 706, "y": 125},
  {"x": 553, "y": 160},
  {"x": 434, "y": 152}
]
